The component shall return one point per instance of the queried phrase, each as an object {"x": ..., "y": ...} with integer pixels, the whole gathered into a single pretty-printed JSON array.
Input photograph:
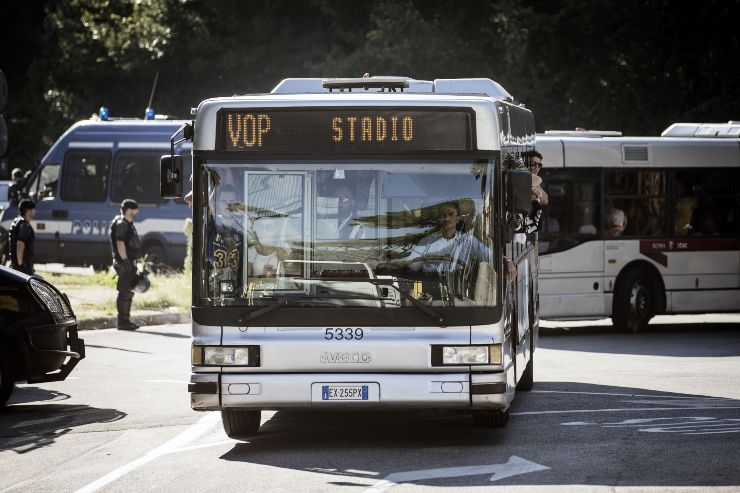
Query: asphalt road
[{"x": 653, "y": 411}]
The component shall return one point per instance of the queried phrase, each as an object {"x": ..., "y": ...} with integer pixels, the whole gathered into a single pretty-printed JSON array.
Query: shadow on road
[
  {"x": 585, "y": 434},
  {"x": 27, "y": 427},
  {"x": 682, "y": 340},
  {"x": 22, "y": 395}
]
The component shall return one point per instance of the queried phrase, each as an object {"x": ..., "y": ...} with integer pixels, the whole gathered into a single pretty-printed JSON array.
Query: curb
[{"x": 150, "y": 319}]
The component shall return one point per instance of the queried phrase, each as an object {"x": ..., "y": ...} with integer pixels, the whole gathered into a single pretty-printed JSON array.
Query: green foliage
[{"x": 632, "y": 65}]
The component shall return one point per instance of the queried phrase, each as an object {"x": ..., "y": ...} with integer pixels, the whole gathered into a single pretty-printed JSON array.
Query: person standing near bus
[
  {"x": 126, "y": 248},
  {"x": 22, "y": 238}
]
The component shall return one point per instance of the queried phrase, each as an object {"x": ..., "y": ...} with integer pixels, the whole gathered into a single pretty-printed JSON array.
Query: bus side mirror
[
  {"x": 171, "y": 176},
  {"x": 518, "y": 192}
]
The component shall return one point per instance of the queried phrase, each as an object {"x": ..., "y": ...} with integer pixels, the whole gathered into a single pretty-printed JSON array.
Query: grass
[{"x": 95, "y": 295}]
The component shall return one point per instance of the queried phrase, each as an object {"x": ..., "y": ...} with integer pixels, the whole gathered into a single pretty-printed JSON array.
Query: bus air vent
[{"x": 635, "y": 153}]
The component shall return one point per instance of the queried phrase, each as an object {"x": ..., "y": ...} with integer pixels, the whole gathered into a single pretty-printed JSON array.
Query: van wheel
[
  {"x": 240, "y": 423},
  {"x": 156, "y": 256},
  {"x": 7, "y": 377},
  {"x": 491, "y": 419},
  {"x": 634, "y": 301}
]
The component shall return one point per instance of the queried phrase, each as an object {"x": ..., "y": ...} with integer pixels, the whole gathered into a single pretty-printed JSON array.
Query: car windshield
[{"x": 338, "y": 234}]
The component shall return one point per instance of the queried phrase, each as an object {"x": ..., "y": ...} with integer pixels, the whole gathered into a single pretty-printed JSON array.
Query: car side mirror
[
  {"x": 171, "y": 176},
  {"x": 518, "y": 192}
]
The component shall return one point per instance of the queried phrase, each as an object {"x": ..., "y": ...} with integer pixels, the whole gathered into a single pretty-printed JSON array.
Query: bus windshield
[{"x": 348, "y": 234}]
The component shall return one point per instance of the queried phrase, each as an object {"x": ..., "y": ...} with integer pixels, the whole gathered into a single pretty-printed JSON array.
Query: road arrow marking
[{"x": 514, "y": 466}]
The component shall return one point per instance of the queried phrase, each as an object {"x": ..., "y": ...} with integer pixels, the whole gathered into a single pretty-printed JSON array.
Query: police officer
[
  {"x": 22, "y": 238},
  {"x": 126, "y": 247},
  {"x": 15, "y": 191}
]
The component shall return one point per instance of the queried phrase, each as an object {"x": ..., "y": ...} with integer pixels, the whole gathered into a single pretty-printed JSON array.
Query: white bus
[
  {"x": 349, "y": 239},
  {"x": 639, "y": 226}
]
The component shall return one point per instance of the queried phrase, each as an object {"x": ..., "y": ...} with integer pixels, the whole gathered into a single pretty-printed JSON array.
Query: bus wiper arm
[
  {"x": 433, "y": 314},
  {"x": 288, "y": 300}
]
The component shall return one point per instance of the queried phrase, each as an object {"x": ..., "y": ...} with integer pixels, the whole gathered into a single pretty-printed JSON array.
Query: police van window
[
  {"x": 136, "y": 176},
  {"x": 44, "y": 183},
  {"x": 85, "y": 176},
  {"x": 572, "y": 216}
]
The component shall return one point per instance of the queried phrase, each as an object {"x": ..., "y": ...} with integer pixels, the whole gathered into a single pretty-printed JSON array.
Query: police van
[{"x": 79, "y": 184}]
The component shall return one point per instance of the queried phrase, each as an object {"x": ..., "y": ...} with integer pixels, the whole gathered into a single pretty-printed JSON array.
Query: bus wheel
[
  {"x": 634, "y": 302},
  {"x": 240, "y": 423},
  {"x": 490, "y": 419},
  {"x": 7, "y": 377}
]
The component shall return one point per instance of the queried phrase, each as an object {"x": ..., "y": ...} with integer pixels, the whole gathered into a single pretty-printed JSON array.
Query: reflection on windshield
[{"x": 324, "y": 235}]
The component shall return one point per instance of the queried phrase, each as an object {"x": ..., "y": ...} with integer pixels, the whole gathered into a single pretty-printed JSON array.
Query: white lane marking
[
  {"x": 180, "y": 382},
  {"x": 620, "y": 395},
  {"x": 692, "y": 425},
  {"x": 630, "y": 409},
  {"x": 205, "y": 445},
  {"x": 514, "y": 466},
  {"x": 364, "y": 473},
  {"x": 197, "y": 430}
]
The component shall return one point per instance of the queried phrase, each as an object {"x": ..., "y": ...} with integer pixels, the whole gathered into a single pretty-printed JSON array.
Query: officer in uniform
[
  {"x": 126, "y": 247},
  {"x": 15, "y": 191},
  {"x": 22, "y": 238}
]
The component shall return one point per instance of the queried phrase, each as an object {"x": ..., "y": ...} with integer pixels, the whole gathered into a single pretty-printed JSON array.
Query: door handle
[{"x": 59, "y": 214}]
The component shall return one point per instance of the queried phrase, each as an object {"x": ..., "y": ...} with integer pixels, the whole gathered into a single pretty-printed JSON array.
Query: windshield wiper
[{"x": 287, "y": 300}]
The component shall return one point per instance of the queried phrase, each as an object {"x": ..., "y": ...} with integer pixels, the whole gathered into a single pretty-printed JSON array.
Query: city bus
[
  {"x": 79, "y": 184},
  {"x": 639, "y": 226},
  {"x": 349, "y": 241}
]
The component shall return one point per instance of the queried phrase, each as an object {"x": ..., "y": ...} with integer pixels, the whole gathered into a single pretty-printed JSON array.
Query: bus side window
[
  {"x": 572, "y": 216},
  {"x": 85, "y": 176},
  {"x": 706, "y": 202},
  {"x": 641, "y": 196}
]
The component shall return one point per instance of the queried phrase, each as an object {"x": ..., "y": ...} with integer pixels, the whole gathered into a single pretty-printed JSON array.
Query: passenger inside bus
[
  {"x": 266, "y": 248},
  {"x": 616, "y": 223},
  {"x": 226, "y": 245}
]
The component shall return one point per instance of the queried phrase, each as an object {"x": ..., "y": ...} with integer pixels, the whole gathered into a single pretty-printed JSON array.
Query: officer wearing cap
[
  {"x": 22, "y": 238},
  {"x": 126, "y": 248},
  {"x": 15, "y": 191}
]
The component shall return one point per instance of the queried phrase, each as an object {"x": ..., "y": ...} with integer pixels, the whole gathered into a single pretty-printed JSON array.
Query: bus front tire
[
  {"x": 240, "y": 423},
  {"x": 634, "y": 301},
  {"x": 491, "y": 419}
]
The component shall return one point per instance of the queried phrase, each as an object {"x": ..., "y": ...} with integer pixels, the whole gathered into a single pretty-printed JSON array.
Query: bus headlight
[
  {"x": 489, "y": 354},
  {"x": 225, "y": 355}
]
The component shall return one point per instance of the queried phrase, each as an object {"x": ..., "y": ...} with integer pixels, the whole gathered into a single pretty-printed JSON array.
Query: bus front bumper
[{"x": 214, "y": 391}]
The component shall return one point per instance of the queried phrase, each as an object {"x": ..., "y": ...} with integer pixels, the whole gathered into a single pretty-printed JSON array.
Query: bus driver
[{"x": 448, "y": 249}]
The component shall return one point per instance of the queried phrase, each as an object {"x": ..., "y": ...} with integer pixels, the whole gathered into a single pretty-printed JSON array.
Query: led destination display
[{"x": 345, "y": 130}]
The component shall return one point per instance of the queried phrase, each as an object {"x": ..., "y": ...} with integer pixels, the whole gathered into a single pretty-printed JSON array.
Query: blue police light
[
  {"x": 149, "y": 113},
  {"x": 103, "y": 113}
]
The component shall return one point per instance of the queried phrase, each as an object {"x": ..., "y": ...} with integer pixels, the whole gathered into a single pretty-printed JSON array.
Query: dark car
[{"x": 38, "y": 332}]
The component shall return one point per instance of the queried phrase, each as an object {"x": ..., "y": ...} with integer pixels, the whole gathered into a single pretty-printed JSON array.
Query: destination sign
[{"x": 345, "y": 130}]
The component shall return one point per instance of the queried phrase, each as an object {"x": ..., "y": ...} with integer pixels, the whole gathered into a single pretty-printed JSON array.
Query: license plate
[{"x": 344, "y": 392}]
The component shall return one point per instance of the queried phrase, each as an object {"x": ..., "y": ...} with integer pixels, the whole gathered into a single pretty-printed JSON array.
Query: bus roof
[{"x": 643, "y": 152}]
